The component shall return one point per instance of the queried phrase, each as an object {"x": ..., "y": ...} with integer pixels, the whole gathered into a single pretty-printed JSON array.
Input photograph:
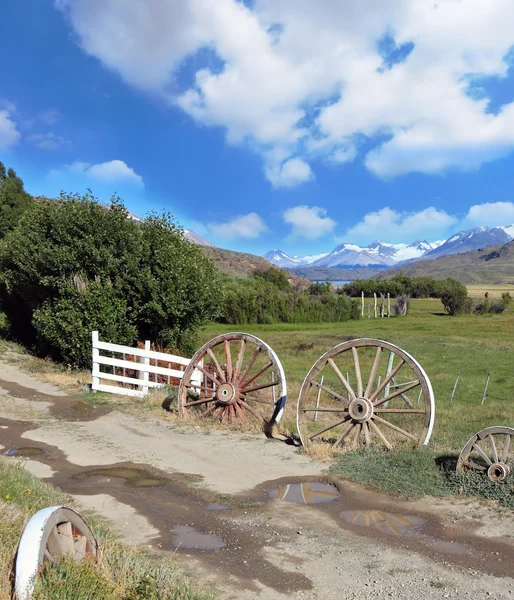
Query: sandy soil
[{"x": 153, "y": 480}]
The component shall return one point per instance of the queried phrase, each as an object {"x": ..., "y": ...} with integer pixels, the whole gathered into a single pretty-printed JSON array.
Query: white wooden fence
[{"x": 139, "y": 385}]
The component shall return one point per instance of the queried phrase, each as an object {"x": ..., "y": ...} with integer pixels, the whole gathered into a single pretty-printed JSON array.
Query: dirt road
[{"x": 223, "y": 499}]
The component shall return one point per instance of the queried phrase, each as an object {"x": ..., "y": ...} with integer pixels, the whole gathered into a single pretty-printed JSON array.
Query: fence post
[
  {"x": 375, "y": 297},
  {"x": 95, "y": 375},
  {"x": 388, "y": 304},
  {"x": 145, "y": 375},
  {"x": 362, "y": 304}
]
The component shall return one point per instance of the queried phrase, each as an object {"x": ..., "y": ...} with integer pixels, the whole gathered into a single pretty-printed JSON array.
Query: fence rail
[{"x": 140, "y": 385}]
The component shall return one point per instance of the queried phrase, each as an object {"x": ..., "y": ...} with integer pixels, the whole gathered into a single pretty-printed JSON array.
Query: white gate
[{"x": 143, "y": 382}]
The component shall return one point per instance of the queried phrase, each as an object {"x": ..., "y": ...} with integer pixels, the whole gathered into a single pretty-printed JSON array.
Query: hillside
[
  {"x": 239, "y": 264},
  {"x": 332, "y": 273},
  {"x": 493, "y": 265}
]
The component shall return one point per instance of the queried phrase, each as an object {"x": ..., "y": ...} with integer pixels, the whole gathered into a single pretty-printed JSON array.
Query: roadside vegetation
[{"x": 124, "y": 572}]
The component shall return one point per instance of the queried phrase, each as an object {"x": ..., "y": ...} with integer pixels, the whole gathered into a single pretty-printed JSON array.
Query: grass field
[
  {"x": 445, "y": 346},
  {"x": 494, "y": 291}
]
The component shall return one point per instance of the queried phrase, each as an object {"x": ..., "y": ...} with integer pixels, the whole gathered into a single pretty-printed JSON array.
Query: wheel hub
[
  {"x": 226, "y": 393},
  {"x": 498, "y": 471},
  {"x": 360, "y": 410}
]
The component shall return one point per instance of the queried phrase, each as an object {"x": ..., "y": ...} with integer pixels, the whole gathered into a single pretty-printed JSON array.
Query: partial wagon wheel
[
  {"x": 50, "y": 535},
  {"x": 490, "y": 451},
  {"x": 236, "y": 377},
  {"x": 366, "y": 391}
]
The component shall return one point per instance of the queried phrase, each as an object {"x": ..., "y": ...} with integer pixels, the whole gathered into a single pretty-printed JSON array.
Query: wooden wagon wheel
[
  {"x": 234, "y": 377},
  {"x": 366, "y": 391},
  {"x": 51, "y": 534},
  {"x": 490, "y": 452}
]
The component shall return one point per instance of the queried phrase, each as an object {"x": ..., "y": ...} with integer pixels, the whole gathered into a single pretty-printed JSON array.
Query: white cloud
[
  {"x": 9, "y": 134},
  {"x": 290, "y": 173},
  {"x": 393, "y": 226},
  {"x": 490, "y": 213},
  {"x": 48, "y": 141},
  {"x": 313, "y": 86},
  {"x": 248, "y": 226},
  {"x": 309, "y": 222},
  {"x": 111, "y": 171}
]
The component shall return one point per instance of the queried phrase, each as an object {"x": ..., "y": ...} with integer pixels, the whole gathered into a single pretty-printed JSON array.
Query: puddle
[
  {"x": 139, "y": 478},
  {"x": 446, "y": 547},
  {"x": 26, "y": 451},
  {"x": 214, "y": 506},
  {"x": 308, "y": 492},
  {"x": 191, "y": 539},
  {"x": 383, "y": 521}
]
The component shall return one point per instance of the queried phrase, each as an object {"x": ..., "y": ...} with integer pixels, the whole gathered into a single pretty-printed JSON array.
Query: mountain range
[{"x": 381, "y": 255}]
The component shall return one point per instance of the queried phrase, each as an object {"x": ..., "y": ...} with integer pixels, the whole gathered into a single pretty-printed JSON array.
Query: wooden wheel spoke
[
  {"x": 245, "y": 398},
  {"x": 256, "y": 375},
  {"x": 239, "y": 412},
  {"x": 329, "y": 427},
  {"x": 252, "y": 411},
  {"x": 330, "y": 410},
  {"x": 397, "y": 393},
  {"x": 479, "y": 450},
  {"x": 474, "y": 466},
  {"x": 493, "y": 448},
  {"x": 358, "y": 374},
  {"x": 219, "y": 370},
  {"x": 506, "y": 446},
  {"x": 400, "y": 411},
  {"x": 387, "y": 380},
  {"x": 396, "y": 428},
  {"x": 66, "y": 538},
  {"x": 345, "y": 434},
  {"x": 250, "y": 364},
  {"x": 228, "y": 359},
  {"x": 210, "y": 410},
  {"x": 207, "y": 374},
  {"x": 365, "y": 428},
  {"x": 199, "y": 387},
  {"x": 375, "y": 428},
  {"x": 330, "y": 391},
  {"x": 197, "y": 402},
  {"x": 342, "y": 378},
  {"x": 80, "y": 546},
  {"x": 373, "y": 373},
  {"x": 240, "y": 357},
  {"x": 262, "y": 386}
]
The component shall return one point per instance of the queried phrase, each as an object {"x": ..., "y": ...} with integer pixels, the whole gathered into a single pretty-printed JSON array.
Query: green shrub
[
  {"x": 506, "y": 298},
  {"x": 75, "y": 265},
  {"x": 454, "y": 297}
]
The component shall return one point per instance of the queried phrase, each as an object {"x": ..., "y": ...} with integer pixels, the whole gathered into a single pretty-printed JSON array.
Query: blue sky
[{"x": 271, "y": 123}]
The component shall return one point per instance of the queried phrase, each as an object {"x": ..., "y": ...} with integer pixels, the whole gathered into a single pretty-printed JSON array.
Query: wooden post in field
[
  {"x": 95, "y": 380},
  {"x": 382, "y": 305},
  {"x": 369, "y": 309},
  {"x": 388, "y": 304},
  {"x": 485, "y": 389},
  {"x": 362, "y": 303},
  {"x": 375, "y": 297},
  {"x": 145, "y": 375},
  {"x": 454, "y": 388}
]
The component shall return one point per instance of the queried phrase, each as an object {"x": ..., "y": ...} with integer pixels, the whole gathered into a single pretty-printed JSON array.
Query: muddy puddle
[
  {"x": 27, "y": 451},
  {"x": 62, "y": 407},
  {"x": 306, "y": 492},
  {"x": 229, "y": 534}
]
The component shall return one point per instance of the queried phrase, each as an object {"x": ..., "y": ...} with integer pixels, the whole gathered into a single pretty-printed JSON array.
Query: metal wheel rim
[
  {"x": 56, "y": 529},
  {"x": 492, "y": 459},
  {"x": 426, "y": 411},
  {"x": 249, "y": 409}
]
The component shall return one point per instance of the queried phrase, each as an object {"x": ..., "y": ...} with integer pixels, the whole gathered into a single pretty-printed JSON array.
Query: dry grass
[{"x": 494, "y": 291}]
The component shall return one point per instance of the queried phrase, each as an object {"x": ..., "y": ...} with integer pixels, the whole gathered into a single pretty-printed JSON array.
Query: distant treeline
[
  {"x": 415, "y": 287},
  {"x": 268, "y": 297}
]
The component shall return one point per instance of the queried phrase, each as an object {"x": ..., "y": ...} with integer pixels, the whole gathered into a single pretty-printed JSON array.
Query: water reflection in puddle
[
  {"x": 190, "y": 538},
  {"x": 25, "y": 451},
  {"x": 383, "y": 521},
  {"x": 308, "y": 492},
  {"x": 139, "y": 478},
  {"x": 445, "y": 547},
  {"x": 214, "y": 506}
]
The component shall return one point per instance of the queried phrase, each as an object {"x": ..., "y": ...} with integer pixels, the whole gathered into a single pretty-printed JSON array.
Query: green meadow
[{"x": 444, "y": 346}]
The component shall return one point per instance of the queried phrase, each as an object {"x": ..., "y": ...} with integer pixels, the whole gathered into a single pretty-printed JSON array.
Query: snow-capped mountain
[
  {"x": 194, "y": 238},
  {"x": 378, "y": 255},
  {"x": 473, "y": 239}
]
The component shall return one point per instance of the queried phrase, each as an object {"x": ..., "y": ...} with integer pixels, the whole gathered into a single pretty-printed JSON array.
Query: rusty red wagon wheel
[
  {"x": 236, "y": 377},
  {"x": 366, "y": 391},
  {"x": 490, "y": 452}
]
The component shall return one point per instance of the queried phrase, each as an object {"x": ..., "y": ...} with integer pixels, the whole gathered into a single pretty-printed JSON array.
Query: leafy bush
[
  {"x": 256, "y": 300},
  {"x": 14, "y": 200},
  {"x": 401, "y": 306},
  {"x": 454, "y": 297},
  {"x": 75, "y": 265},
  {"x": 507, "y": 298},
  {"x": 497, "y": 307}
]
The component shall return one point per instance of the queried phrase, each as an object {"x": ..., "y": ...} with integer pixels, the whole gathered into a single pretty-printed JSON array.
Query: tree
[
  {"x": 454, "y": 297},
  {"x": 76, "y": 265},
  {"x": 14, "y": 200}
]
